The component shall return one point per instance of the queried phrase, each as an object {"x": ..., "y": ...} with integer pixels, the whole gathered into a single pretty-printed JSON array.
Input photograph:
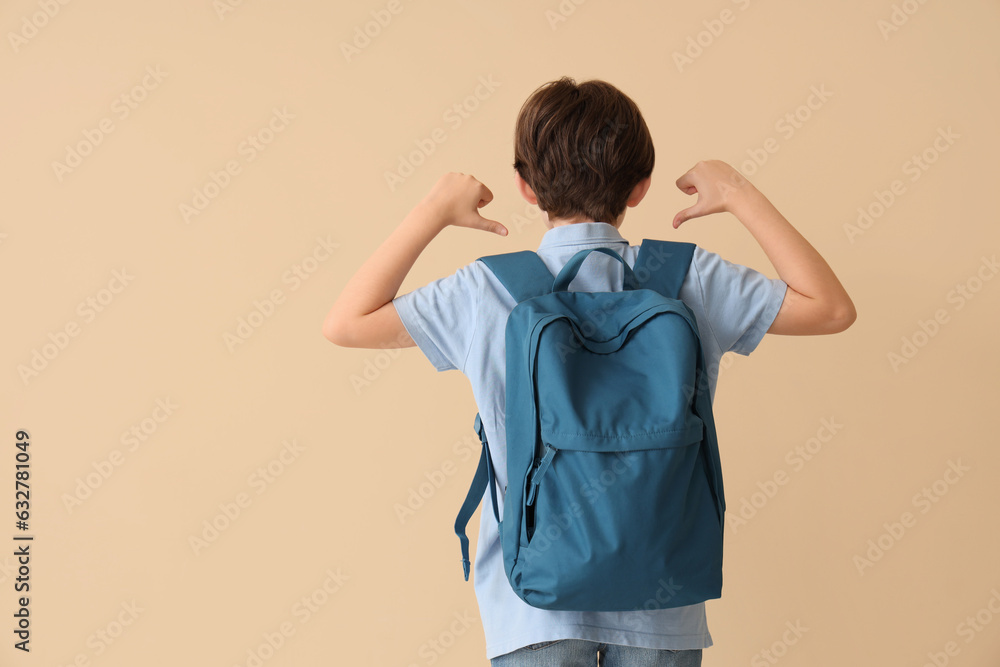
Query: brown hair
[{"x": 582, "y": 148}]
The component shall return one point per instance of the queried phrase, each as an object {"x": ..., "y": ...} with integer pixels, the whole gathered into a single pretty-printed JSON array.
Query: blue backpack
[{"x": 614, "y": 499}]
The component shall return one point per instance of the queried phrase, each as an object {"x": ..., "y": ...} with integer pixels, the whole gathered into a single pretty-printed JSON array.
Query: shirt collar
[{"x": 580, "y": 232}]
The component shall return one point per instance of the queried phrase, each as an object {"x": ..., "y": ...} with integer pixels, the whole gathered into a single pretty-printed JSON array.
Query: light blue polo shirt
[{"x": 458, "y": 322}]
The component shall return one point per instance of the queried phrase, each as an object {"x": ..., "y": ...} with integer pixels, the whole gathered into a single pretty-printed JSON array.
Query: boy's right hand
[
  {"x": 715, "y": 182},
  {"x": 456, "y": 199}
]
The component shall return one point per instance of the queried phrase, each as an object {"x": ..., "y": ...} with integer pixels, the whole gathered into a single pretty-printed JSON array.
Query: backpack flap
[{"x": 595, "y": 395}]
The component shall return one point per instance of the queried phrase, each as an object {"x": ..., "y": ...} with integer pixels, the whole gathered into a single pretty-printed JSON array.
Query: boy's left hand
[
  {"x": 456, "y": 199},
  {"x": 713, "y": 181}
]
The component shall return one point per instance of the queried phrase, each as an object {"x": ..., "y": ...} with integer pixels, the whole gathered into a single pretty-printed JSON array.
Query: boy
[{"x": 583, "y": 154}]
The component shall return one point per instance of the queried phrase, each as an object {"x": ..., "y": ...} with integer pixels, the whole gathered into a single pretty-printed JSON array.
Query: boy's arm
[
  {"x": 815, "y": 302},
  {"x": 364, "y": 315}
]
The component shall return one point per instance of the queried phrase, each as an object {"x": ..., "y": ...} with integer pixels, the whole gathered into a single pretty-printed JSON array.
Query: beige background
[{"x": 369, "y": 427}]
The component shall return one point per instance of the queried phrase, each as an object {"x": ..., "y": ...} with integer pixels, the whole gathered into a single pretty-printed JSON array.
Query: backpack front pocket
[{"x": 616, "y": 526}]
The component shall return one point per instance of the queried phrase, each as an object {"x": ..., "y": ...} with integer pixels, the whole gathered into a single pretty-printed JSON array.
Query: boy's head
[{"x": 582, "y": 149}]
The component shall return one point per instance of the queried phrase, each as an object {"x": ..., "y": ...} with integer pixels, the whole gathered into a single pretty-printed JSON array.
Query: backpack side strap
[
  {"x": 522, "y": 273},
  {"x": 662, "y": 265},
  {"x": 484, "y": 477}
]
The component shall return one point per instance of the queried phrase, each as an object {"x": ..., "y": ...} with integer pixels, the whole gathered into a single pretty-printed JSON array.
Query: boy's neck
[{"x": 559, "y": 222}]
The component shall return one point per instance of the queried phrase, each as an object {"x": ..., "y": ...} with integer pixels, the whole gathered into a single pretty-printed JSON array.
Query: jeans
[{"x": 581, "y": 653}]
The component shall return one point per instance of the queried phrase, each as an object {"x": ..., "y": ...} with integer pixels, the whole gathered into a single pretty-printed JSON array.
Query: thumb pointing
[
  {"x": 493, "y": 226},
  {"x": 684, "y": 216}
]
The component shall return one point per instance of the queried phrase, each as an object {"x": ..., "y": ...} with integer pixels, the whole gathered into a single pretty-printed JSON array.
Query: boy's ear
[
  {"x": 525, "y": 189},
  {"x": 639, "y": 191}
]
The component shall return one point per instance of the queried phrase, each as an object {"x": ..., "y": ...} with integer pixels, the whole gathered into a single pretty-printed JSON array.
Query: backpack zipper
[{"x": 536, "y": 477}]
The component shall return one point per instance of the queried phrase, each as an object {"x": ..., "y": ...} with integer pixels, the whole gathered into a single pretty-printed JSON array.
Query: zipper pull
[{"x": 536, "y": 477}]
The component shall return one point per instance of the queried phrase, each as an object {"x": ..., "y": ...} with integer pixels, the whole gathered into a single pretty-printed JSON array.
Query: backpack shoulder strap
[
  {"x": 662, "y": 265},
  {"x": 523, "y": 273},
  {"x": 485, "y": 476}
]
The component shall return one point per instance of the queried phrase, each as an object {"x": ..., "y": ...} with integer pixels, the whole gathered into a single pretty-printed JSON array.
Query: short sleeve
[
  {"x": 441, "y": 317},
  {"x": 739, "y": 302}
]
